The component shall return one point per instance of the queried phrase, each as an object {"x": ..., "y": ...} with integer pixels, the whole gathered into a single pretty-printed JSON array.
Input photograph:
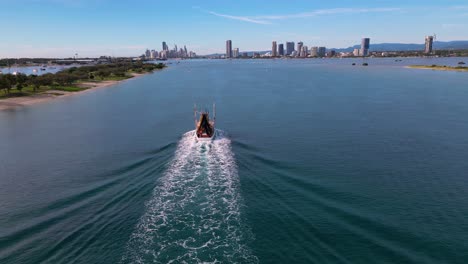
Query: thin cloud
[
  {"x": 454, "y": 26},
  {"x": 334, "y": 11},
  {"x": 265, "y": 20},
  {"x": 240, "y": 18},
  {"x": 460, "y": 7}
]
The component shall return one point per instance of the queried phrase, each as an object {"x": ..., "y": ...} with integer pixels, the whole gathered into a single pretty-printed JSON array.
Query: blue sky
[{"x": 61, "y": 28}]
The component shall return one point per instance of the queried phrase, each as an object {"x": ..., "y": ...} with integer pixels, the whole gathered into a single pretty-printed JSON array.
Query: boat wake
[{"x": 194, "y": 214}]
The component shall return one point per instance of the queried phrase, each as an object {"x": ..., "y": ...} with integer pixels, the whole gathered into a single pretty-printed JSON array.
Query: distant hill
[{"x": 450, "y": 45}]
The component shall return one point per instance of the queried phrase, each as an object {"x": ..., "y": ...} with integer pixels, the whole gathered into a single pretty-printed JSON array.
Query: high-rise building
[
  {"x": 228, "y": 49},
  {"x": 148, "y": 54},
  {"x": 289, "y": 48},
  {"x": 154, "y": 54},
  {"x": 299, "y": 47},
  {"x": 280, "y": 50},
  {"x": 314, "y": 52},
  {"x": 304, "y": 52},
  {"x": 365, "y": 44},
  {"x": 235, "y": 53},
  {"x": 274, "y": 49},
  {"x": 356, "y": 52},
  {"x": 331, "y": 53},
  {"x": 322, "y": 51},
  {"x": 164, "y": 46},
  {"x": 428, "y": 46}
]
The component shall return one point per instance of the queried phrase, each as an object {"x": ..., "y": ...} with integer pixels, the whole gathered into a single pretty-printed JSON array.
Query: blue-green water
[{"x": 317, "y": 161}]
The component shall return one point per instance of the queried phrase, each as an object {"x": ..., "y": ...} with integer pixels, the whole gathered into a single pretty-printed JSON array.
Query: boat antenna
[{"x": 195, "y": 114}]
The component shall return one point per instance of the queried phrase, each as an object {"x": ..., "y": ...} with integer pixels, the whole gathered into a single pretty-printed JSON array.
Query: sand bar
[{"x": 49, "y": 95}]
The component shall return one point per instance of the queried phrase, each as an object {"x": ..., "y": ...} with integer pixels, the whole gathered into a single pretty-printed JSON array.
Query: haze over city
[{"x": 61, "y": 28}]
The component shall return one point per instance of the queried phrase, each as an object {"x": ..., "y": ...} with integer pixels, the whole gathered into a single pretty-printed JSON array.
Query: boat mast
[
  {"x": 195, "y": 114},
  {"x": 214, "y": 113}
]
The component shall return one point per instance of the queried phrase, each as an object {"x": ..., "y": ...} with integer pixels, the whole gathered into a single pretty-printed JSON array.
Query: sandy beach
[{"x": 15, "y": 102}]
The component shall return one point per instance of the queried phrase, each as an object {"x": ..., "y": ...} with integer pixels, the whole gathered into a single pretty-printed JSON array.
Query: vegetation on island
[
  {"x": 439, "y": 67},
  {"x": 70, "y": 79}
]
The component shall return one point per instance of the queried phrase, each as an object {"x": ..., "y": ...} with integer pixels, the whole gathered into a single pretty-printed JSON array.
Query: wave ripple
[{"x": 194, "y": 214}]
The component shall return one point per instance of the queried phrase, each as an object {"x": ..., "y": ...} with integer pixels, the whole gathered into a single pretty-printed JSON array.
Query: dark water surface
[{"x": 317, "y": 161}]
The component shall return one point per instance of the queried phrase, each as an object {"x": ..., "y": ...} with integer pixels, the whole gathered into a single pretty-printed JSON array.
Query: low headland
[
  {"x": 21, "y": 89},
  {"x": 439, "y": 67}
]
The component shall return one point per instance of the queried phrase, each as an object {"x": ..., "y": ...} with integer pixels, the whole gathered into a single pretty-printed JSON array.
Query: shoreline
[
  {"x": 437, "y": 68},
  {"x": 50, "y": 95}
]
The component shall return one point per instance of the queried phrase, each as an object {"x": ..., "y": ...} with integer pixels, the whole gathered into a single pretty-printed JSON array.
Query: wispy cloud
[
  {"x": 240, "y": 18},
  {"x": 266, "y": 19},
  {"x": 460, "y": 7},
  {"x": 333, "y": 11},
  {"x": 454, "y": 26}
]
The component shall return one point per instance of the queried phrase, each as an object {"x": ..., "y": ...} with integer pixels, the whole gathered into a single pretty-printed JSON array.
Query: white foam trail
[{"x": 194, "y": 214}]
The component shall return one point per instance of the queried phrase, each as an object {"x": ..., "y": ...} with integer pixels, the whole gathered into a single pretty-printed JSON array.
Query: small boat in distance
[{"x": 204, "y": 127}]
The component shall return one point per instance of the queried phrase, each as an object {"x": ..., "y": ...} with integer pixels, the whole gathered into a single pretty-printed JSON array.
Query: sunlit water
[{"x": 316, "y": 161}]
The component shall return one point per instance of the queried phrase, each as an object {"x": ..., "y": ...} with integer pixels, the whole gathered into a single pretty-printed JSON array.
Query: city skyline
[{"x": 61, "y": 28}]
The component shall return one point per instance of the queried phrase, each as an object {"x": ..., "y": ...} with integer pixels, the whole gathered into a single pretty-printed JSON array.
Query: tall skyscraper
[
  {"x": 289, "y": 48},
  {"x": 235, "y": 53},
  {"x": 304, "y": 52},
  {"x": 228, "y": 49},
  {"x": 164, "y": 46},
  {"x": 148, "y": 54},
  {"x": 274, "y": 49},
  {"x": 322, "y": 51},
  {"x": 428, "y": 47},
  {"x": 281, "y": 50},
  {"x": 299, "y": 47},
  {"x": 314, "y": 52},
  {"x": 365, "y": 44}
]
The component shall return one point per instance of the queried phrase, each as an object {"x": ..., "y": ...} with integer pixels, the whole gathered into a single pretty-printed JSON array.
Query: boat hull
[{"x": 205, "y": 139}]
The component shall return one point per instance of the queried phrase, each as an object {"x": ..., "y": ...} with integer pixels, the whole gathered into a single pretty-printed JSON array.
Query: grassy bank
[
  {"x": 439, "y": 68},
  {"x": 71, "y": 80}
]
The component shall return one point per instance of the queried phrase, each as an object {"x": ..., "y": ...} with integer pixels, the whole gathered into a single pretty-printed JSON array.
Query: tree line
[{"x": 70, "y": 76}]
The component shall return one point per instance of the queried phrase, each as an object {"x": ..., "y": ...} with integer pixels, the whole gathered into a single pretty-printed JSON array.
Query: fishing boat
[{"x": 204, "y": 127}]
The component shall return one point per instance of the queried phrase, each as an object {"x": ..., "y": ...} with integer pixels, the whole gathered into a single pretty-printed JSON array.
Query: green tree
[
  {"x": 10, "y": 81},
  {"x": 35, "y": 82},
  {"x": 4, "y": 83},
  {"x": 21, "y": 80}
]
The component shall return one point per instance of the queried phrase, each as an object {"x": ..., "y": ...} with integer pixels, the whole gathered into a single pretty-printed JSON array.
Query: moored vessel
[{"x": 204, "y": 127}]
